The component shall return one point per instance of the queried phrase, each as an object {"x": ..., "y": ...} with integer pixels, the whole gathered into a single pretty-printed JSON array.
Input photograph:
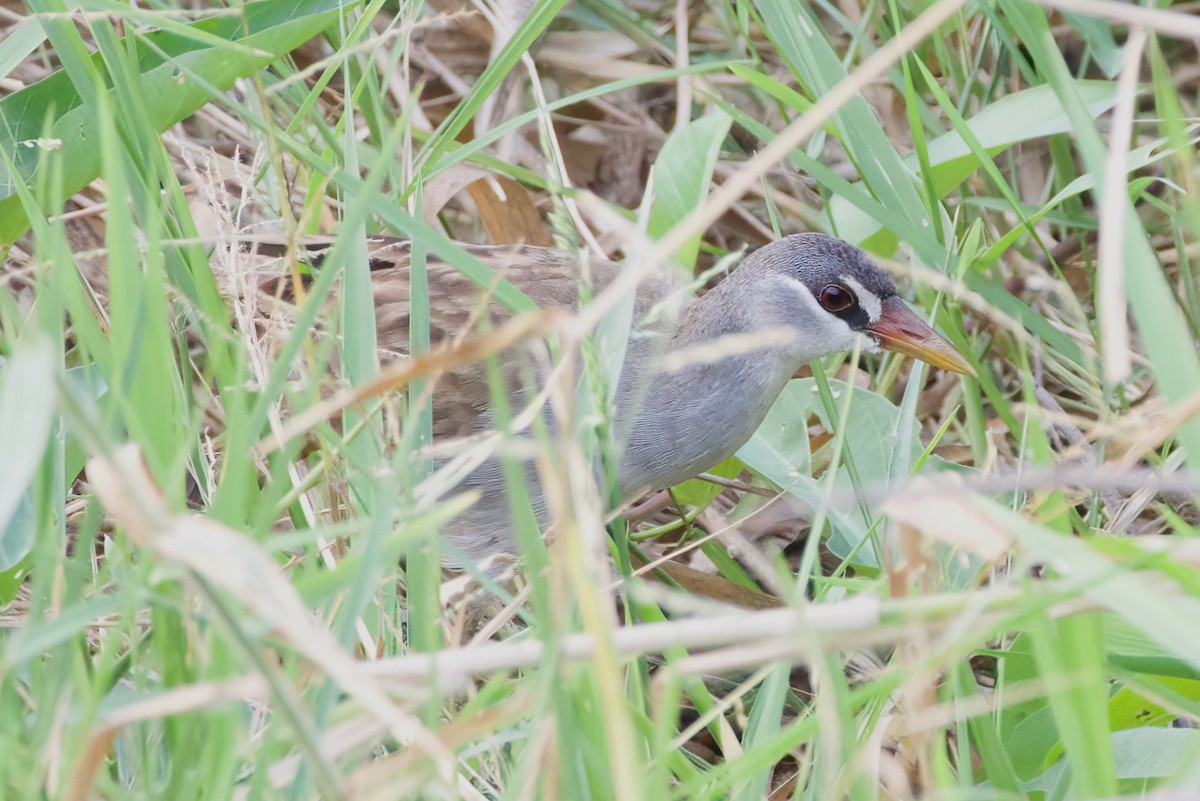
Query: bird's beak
[{"x": 900, "y": 329}]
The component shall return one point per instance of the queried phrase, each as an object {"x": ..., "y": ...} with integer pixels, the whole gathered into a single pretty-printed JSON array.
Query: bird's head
[{"x": 832, "y": 293}]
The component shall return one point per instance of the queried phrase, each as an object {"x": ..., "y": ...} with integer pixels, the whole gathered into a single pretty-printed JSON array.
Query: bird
[{"x": 693, "y": 387}]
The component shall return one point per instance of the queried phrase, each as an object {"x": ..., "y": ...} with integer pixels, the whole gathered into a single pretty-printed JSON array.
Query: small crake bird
[{"x": 735, "y": 347}]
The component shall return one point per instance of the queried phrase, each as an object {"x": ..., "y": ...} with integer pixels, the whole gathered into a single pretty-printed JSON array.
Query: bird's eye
[{"x": 836, "y": 298}]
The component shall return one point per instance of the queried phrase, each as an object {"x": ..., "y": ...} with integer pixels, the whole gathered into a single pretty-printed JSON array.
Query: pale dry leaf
[
  {"x": 607, "y": 69},
  {"x": 717, "y": 588},
  {"x": 914, "y": 565},
  {"x": 952, "y": 519},
  {"x": 442, "y": 188},
  {"x": 599, "y": 44},
  {"x": 507, "y": 212}
]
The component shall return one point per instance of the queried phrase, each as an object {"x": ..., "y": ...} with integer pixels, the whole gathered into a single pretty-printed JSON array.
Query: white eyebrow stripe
[{"x": 866, "y": 298}]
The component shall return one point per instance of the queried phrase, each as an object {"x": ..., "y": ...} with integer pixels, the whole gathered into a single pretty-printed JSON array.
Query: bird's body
[
  {"x": 552, "y": 279},
  {"x": 692, "y": 389}
]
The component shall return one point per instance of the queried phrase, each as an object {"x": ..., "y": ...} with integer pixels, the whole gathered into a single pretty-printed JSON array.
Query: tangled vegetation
[{"x": 221, "y": 575}]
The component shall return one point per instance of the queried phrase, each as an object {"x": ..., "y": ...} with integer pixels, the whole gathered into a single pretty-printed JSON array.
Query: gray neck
[{"x": 692, "y": 417}]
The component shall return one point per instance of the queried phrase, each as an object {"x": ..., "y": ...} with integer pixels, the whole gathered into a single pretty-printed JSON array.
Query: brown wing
[
  {"x": 460, "y": 309},
  {"x": 550, "y": 277}
]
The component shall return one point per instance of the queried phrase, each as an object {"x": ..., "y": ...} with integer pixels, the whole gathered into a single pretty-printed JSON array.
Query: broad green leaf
[
  {"x": 1099, "y": 36},
  {"x": 873, "y": 434},
  {"x": 1026, "y": 727},
  {"x": 1029, "y": 114},
  {"x": 883, "y": 442},
  {"x": 682, "y": 174},
  {"x": 1140, "y": 754},
  {"x": 779, "y": 451},
  {"x": 1128, "y": 709},
  {"x": 1070, "y": 655},
  {"x": 782, "y": 445},
  {"x": 13, "y": 579},
  {"x": 26, "y": 415},
  {"x": 19, "y": 533},
  {"x": 700, "y": 493}
]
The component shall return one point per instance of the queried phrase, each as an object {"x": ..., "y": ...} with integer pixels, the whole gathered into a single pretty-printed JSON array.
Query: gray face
[
  {"x": 829, "y": 291},
  {"x": 833, "y": 298},
  {"x": 842, "y": 278}
]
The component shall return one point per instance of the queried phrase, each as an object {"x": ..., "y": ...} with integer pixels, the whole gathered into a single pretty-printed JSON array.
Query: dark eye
[{"x": 836, "y": 298}]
